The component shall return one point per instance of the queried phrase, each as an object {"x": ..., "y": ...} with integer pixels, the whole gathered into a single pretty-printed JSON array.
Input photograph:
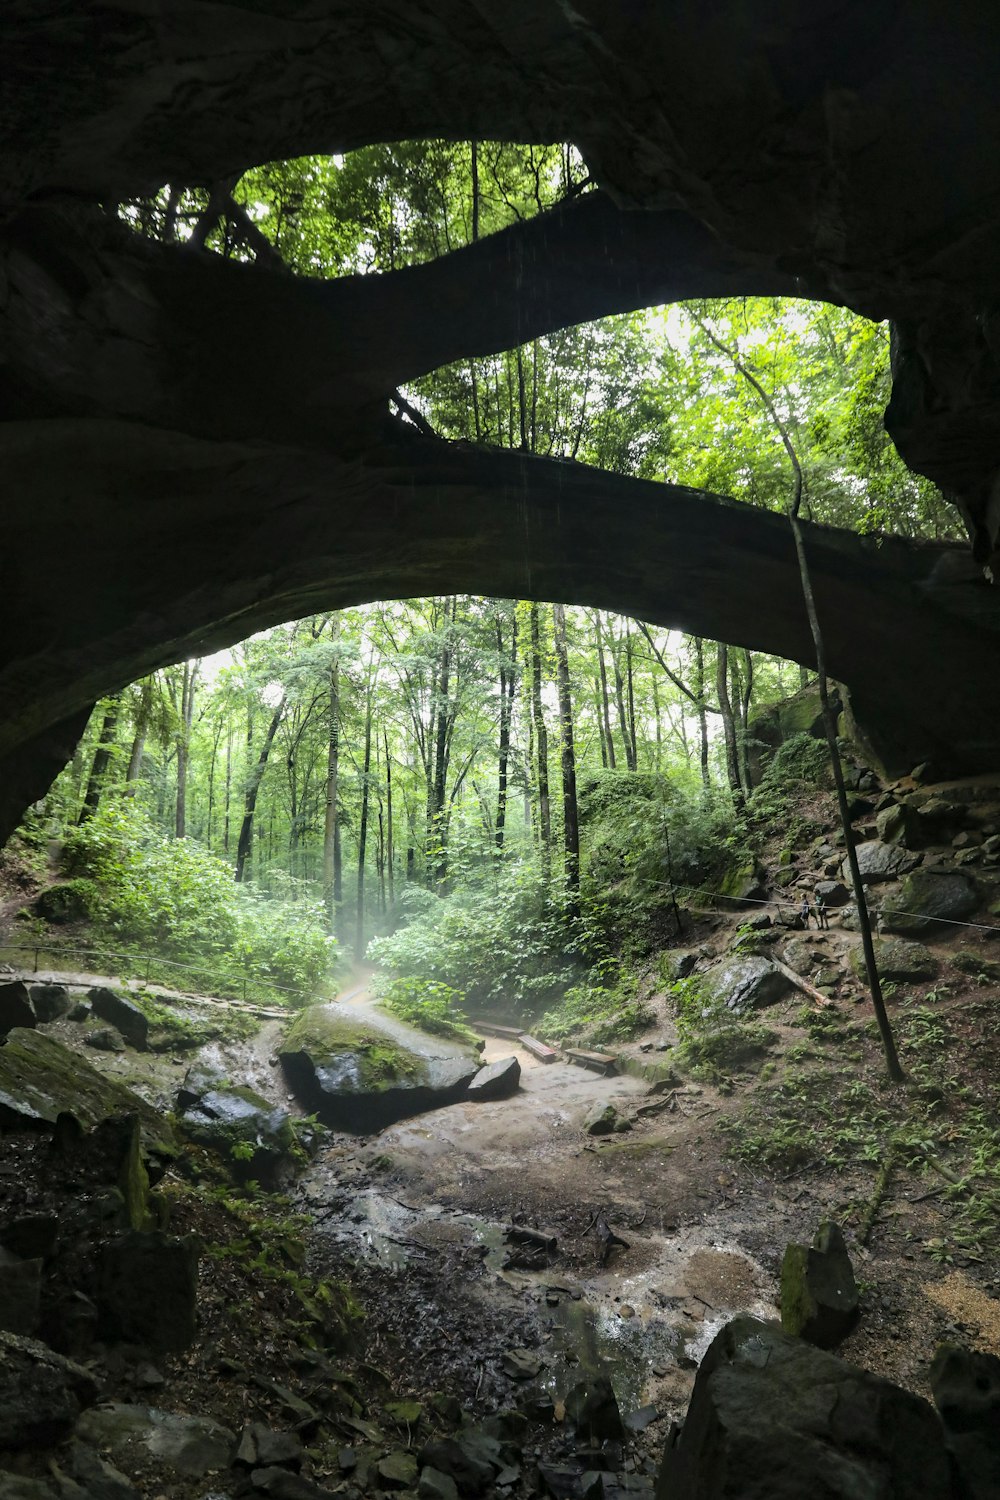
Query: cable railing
[{"x": 250, "y": 986}]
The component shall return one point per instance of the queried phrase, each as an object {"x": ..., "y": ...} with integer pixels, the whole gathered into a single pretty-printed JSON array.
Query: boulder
[
  {"x": 453, "y": 1456},
  {"x": 15, "y": 1007},
  {"x": 678, "y": 965},
  {"x": 604, "y": 1119},
  {"x": 148, "y": 1285},
  {"x": 65, "y": 901},
  {"x": 878, "y": 861},
  {"x": 200, "y": 1077},
  {"x": 20, "y": 1294},
  {"x": 926, "y": 899},
  {"x": 192, "y": 1446},
  {"x": 121, "y": 1013},
  {"x": 359, "y": 1074},
  {"x": 966, "y": 1388},
  {"x": 22, "y": 1487},
  {"x": 84, "y": 1475},
  {"x": 41, "y": 1393},
  {"x": 497, "y": 1080},
  {"x": 745, "y": 882},
  {"x": 50, "y": 1002},
  {"x": 40, "y": 1080},
  {"x": 105, "y": 1039},
  {"x": 592, "y": 1409},
  {"x": 254, "y": 1137},
  {"x": 742, "y": 984},
  {"x": 819, "y": 1296},
  {"x": 799, "y": 956},
  {"x": 774, "y": 1418},
  {"x": 898, "y": 959},
  {"x": 833, "y": 892},
  {"x": 30, "y": 1235}
]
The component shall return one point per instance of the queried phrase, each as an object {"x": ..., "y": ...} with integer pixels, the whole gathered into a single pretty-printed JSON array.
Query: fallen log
[{"x": 803, "y": 984}]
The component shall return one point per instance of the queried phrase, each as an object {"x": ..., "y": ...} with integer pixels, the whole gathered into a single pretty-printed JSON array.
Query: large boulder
[
  {"x": 819, "y": 1296},
  {"x": 254, "y": 1137},
  {"x": 878, "y": 861},
  {"x": 833, "y": 892},
  {"x": 40, "y": 1080},
  {"x": 359, "y": 1074},
  {"x": 189, "y": 1445},
  {"x": 49, "y": 1001},
  {"x": 592, "y": 1410},
  {"x": 41, "y": 1393},
  {"x": 742, "y": 984},
  {"x": 898, "y": 960},
  {"x": 966, "y": 1387},
  {"x": 498, "y": 1080},
  {"x": 121, "y": 1013},
  {"x": 744, "y": 882},
  {"x": 15, "y": 1007},
  {"x": 774, "y": 1418},
  {"x": 927, "y": 899}
]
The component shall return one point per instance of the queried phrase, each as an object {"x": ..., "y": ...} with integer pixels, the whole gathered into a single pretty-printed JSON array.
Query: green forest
[{"x": 497, "y": 801}]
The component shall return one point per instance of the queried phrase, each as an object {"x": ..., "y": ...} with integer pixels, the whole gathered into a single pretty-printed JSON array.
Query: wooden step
[{"x": 601, "y": 1062}]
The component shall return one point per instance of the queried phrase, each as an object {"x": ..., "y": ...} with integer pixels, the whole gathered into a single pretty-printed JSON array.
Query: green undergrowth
[
  {"x": 823, "y": 1114},
  {"x": 178, "y": 1028},
  {"x": 268, "y": 1244},
  {"x": 598, "y": 1013},
  {"x": 427, "y": 1004}
]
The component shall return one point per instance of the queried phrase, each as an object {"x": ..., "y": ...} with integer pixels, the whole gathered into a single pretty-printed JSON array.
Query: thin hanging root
[{"x": 881, "y": 1188}]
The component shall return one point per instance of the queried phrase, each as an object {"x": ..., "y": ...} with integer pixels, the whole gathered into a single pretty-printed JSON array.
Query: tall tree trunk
[
  {"x": 332, "y": 866},
  {"x": 699, "y": 653},
  {"x": 745, "y": 679},
  {"x": 438, "y": 816},
  {"x": 141, "y": 728},
  {"x": 659, "y": 727},
  {"x": 602, "y": 740},
  {"x": 229, "y": 789},
  {"x": 211, "y": 781},
  {"x": 571, "y": 816},
  {"x": 605, "y": 706},
  {"x": 729, "y": 727},
  {"x": 254, "y": 780},
  {"x": 189, "y": 677},
  {"x": 508, "y": 690},
  {"x": 622, "y": 714},
  {"x": 541, "y": 741},
  {"x": 390, "y": 851},
  {"x": 102, "y": 758},
  {"x": 359, "y": 926},
  {"x": 630, "y": 697}
]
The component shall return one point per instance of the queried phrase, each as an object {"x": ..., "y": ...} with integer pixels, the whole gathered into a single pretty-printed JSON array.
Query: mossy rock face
[
  {"x": 898, "y": 961},
  {"x": 40, "y": 1080},
  {"x": 356, "y": 1076},
  {"x": 745, "y": 882},
  {"x": 252, "y": 1136},
  {"x": 927, "y": 900}
]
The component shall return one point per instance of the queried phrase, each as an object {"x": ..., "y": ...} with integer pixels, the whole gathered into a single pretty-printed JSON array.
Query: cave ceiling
[{"x": 193, "y": 448}]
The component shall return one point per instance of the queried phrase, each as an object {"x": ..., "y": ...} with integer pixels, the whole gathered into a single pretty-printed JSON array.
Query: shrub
[{"x": 427, "y": 1003}]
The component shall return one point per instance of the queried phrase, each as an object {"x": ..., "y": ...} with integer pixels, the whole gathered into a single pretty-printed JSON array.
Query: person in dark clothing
[
  {"x": 822, "y": 915},
  {"x": 804, "y": 912}
]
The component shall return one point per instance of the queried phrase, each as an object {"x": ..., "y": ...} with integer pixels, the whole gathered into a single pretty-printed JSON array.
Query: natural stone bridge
[{"x": 192, "y": 449}]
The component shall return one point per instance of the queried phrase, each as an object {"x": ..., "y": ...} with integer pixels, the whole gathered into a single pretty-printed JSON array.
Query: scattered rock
[
  {"x": 927, "y": 898},
  {"x": 497, "y": 1080},
  {"x": 148, "y": 1289},
  {"x": 819, "y": 1296},
  {"x": 773, "y": 1416},
  {"x": 604, "y": 1119},
  {"x": 105, "y": 1039},
  {"x": 434, "y": 1485},
  {"x": 15, "y": 1007},
  {"x": 83, "y": 1475},
  {"x": 678, "y": 965},
  {"x": 121, "y": 1013},
  {"x": 973, "y": 963},
  {"x": 193, "y": 1446},
  {"x": 41, "y": 1393},
  {"x": 471, "y": 1473},
  {"x": 799, "y": 956},
  {"x": 398, "y": 1470},
  {"x": 49, "y": 1001},
  {"x": 522, "y": 1364},
  {"x": 592, "y": 1409}
]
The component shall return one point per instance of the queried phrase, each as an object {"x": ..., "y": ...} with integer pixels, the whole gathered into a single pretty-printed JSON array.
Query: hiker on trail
[
  {"x": 804, "y": 912},
  {"x": 822, "y": 915}
]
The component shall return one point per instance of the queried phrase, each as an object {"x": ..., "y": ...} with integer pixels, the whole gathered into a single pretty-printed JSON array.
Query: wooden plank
[
  {"x": 600, "y": 1061},
  {"x": 538, "y": 1049}
]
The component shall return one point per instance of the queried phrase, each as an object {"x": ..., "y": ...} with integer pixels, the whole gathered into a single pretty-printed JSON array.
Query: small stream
[{"x": 639, "y": 1329}]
